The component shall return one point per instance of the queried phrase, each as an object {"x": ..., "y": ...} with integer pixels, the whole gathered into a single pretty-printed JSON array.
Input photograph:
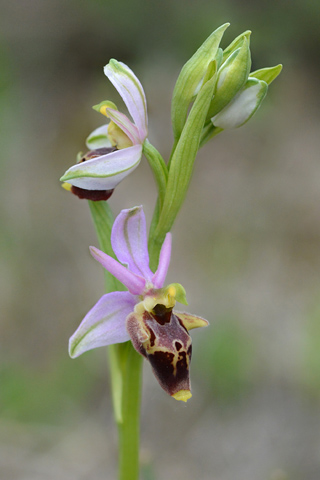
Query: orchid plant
[{"x": 136, "y": 318}]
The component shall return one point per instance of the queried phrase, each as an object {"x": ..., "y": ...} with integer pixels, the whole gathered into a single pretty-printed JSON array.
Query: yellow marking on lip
[
  {"x": 66, "y": 186},
  {"x": 182, "y": 395}
]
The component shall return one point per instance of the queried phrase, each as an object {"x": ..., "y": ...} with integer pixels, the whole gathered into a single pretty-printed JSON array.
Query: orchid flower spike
[
  {"x": 115, "y": 148},
  {"x": 143, "y": 314}
]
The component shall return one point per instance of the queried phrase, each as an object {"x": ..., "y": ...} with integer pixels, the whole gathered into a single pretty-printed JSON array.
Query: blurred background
[{"x": 246, "y": 245}]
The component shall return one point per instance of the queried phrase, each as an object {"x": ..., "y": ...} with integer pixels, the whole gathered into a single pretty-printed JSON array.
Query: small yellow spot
[
  {"x": 182, "y": 395},
  {"x": 172, "y": 291},
  {"x": 66, "y": 186},
  {"x": 103, "y": 107},
  {"x": 103, "y": 110}
]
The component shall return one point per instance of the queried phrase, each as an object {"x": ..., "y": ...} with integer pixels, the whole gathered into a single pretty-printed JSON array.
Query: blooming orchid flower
[
  {"x": 115, "y": 148},
  {"x": 143, "y": 314}
]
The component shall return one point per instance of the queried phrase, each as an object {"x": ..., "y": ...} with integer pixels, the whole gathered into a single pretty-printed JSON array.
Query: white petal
[
  {"x": 105, "y": 172},
  {"x": 132, "y": 93}
]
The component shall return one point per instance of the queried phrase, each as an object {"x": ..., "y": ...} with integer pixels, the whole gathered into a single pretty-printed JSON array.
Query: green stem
[
  {"x": 209, "y": 131},
  {"x": 153, "y": 249},
  {"x": 158, "y": 167},
  {"x": 129, "y": 428},
  {"x": 125, "y": 366}
]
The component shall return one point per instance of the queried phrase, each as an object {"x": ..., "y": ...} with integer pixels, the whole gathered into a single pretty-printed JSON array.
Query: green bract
[
  {"x": 267, "y": 74},
  {"x": 235, "y": 44}
]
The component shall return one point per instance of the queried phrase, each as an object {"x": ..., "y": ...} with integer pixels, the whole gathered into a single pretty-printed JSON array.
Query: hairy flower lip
[{"x": 93, "y": 195}]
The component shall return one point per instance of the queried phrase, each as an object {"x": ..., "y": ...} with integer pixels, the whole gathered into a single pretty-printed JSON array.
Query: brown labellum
[
  {"x": 94, "y": 195},
  {"x": 161, "y": 337}
]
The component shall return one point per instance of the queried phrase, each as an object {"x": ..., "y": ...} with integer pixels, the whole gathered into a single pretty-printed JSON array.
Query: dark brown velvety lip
[{"x": 94, "y": 195}]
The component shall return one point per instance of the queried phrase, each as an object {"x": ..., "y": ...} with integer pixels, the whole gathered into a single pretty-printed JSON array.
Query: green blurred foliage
[
  {"x": 226, "y": 360},
  {"x": 226, "y": 254},
  {"x": 310, "y": 365},
  {"x": 50, "y": 395},
  {"x": 174, "y": 27}
]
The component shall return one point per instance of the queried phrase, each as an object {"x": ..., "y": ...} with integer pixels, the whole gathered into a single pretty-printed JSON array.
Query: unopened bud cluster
[{"x": 236, "y": 94}]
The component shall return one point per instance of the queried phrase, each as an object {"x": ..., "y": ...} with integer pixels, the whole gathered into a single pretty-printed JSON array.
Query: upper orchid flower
[
  {"x": 115, "y": 148},
  {"x": 143, "y": 314}
]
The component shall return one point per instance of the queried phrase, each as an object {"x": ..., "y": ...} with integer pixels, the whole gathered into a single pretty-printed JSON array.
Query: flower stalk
[{"x": 128, "y": 424}]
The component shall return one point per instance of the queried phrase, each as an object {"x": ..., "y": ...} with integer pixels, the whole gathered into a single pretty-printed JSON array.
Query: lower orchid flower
[
  {"x": 115, "y": 148},
  {"x": 143, "y": 314}
]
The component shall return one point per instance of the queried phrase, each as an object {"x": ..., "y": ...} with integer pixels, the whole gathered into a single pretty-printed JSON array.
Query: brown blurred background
[{"x": 246, "y": 245}]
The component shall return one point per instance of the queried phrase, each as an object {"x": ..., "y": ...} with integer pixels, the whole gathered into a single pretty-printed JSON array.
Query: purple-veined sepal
[
  {"x": 129, "y": 241},
  {"x": 104, "y": 324}
]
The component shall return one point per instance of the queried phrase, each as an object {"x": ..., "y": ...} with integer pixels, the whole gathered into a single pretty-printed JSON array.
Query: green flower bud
[
  {"x": 242, "y": 106},
  {"x": 235, "y": 44},
  {"x": 232, "y": 76},
  {"x": 219, "y": 58},
  {"x": 191, "y": 77}
]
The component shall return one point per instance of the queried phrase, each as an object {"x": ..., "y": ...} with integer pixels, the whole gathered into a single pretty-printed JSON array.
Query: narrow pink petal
[
  {"x": 105, "y": 324},
  {"x": 134, "y": 283},
  {"x": 164, "y": 262},
  {"x": 129, "y": 241},
  {"x": 132, "y": 93},
  {"x": 125, "y": 124},
  {"x": 105, "y": 172}
]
